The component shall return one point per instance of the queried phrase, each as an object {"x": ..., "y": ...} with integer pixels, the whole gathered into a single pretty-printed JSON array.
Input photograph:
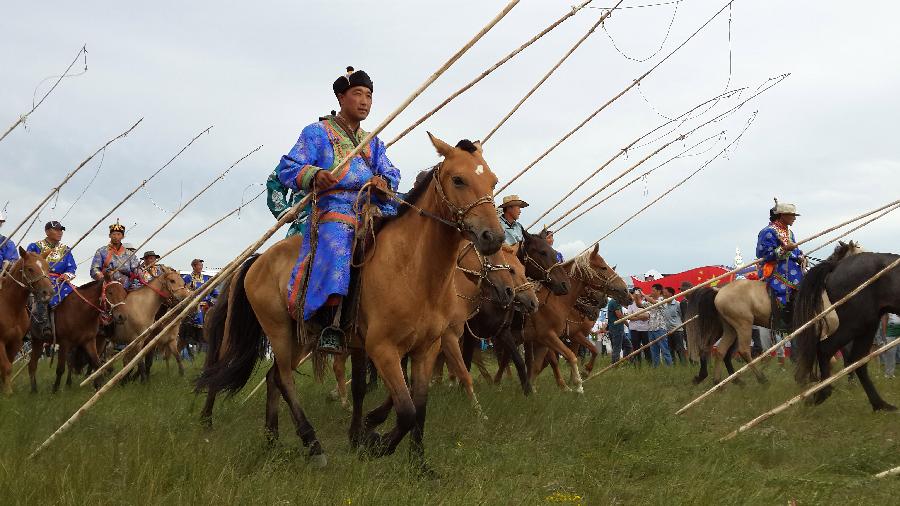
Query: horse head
[
  {"x": 591, "y": 268},
  {"x": 465, "y": 186},
  {"x": 526, "y": 300},
  {"x": 173, "y": 283},
  {"x": 491, "y": 268},
  {"x": 541, "y": 264},
  {"x": 30, "y": 272},
  {"x": 112, "y": 298},
  {"x": 844, "y": 250}
]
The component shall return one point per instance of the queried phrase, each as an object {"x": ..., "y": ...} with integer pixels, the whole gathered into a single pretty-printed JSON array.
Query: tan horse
[
  {"x": 77, "y": 321},
  {"x": 588, "y": 271},
  {"x": 143, "y": 306},
  {"x": 730, "y": 312},
  {"x": 28, "y": 275},
  {"x": 407, "y": 299}
]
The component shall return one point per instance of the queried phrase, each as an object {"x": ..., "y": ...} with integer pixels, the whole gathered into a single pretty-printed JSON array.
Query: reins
[{"x": 106, "y": 307}]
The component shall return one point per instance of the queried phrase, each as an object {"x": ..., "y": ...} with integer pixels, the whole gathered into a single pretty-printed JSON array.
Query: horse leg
[
  {"x": 206, "y": 413},
  {"x": 452, "y": 355},
  {"x": 6, "y": 371},
  {"x": 173, "y": 350},
  {"x": 503, "y": 356},
  {"x": 358, "y": 388},
  {"x": 574, "y": 370},
  {"x": 284, "y": 380},
  {"x": 339, "y": 367},
  {"x": 387, "y": 359},
  {"x": 512, "y": 351},
  {"x": 860, "y": 349},
  {"x": 91, "y": 348},
  {"x": 69, "y": 367},
  {"x": 36, "y": 347},
  {"x": 468, "y": 347},
  {"x": 724, "y": 351},
  {"x": 272, "y": 394},
  {"x": 423, "y": 362},
  {"x": 551, "y": 359},
  {"x": 61, "y": 359},
  {"x": 744, "y": 341},
  {"x": 703, "y": 373}
]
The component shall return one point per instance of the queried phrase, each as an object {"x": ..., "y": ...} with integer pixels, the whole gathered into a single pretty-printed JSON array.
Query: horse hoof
[
  {"x": 885, "y": 407},
  {"x": 332, "y": 395},
  {"x": 425, "y": 472},
  {"x": 579, "y": 390},
  {"x": 318, "y": 461}
]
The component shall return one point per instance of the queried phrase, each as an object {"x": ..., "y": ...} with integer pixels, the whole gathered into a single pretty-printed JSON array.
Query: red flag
[{"x": 693, "y": 276}]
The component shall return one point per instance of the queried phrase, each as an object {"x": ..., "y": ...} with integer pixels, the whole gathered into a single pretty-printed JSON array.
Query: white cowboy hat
[
  {"x": 513, "y": 200},
  {"x": 785, "y": 209}
]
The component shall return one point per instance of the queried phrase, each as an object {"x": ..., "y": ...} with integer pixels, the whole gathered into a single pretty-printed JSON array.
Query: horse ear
[
  {"x": 596, "y": 249},
  {"x": 478, "y": 148},
  {"x": 22, "y": 252},
  {"x": 442, "y": 147},
  {"x": 614, "y": 267}
]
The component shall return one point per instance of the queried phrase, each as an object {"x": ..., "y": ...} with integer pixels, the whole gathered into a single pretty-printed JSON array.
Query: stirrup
[{"x": 332, "y": 340}]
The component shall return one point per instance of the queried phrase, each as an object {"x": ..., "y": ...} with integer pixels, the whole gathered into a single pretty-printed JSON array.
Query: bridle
[
  {"x": 487, "y": 267},
  {"x": 169, "y": 298},
  {"x": 27, "y": 283},
  {"x": 105, "y": 307},
  {"x": 547, "y": 278},
  {"x": 459, "y": 213}
]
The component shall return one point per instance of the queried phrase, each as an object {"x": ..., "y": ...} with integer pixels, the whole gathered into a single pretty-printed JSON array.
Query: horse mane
[
  {"x": 89, "y": 284},
  {"x": 423, "y": 181},
  {"x": 843, "y": 250},
  {"x": 580, "y": 266}
]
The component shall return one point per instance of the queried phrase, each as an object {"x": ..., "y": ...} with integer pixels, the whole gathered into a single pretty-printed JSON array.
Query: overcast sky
[{"x": 824, "y": 139}]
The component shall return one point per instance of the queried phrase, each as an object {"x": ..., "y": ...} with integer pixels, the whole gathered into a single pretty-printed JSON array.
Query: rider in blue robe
[
  {"x": 115, "y": 258},
  {"x": 62, "y": 271},
  {"x": 320, "y": 146},
  {"x": 194, "y": 281},
  {"x": 8, "y": 252},
  {"x": 783, "y": 262}
]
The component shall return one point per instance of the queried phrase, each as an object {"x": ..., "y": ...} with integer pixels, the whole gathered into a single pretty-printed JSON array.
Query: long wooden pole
[
  {"x": 143, "y": 183},
  {"x": 758, "y": 261},
  {"x": 792, "y": 335},
  {"x": 24, "y": 117},
  {"x": 630, "y": 145},
  {"x": 819, "y": 386},
  {"x": 854, "y": 229},
  {"x": 718, "y": 117},
  {"x": 206, "y": 228},
  {"x": 629, "y": 183},
  {"x": 672, "y": 188},
  {"x": 182, "y": 308},
  {"x": 550, "y": 72},
  {"x": 889, "y": 472},
  {"x": 571, "y": 12},
  {"x": 637, "y": 351},
  {"x": 609, "y": 102},
  {"x": 67, "y": 178},
  {"x": 263, "y": 381}
]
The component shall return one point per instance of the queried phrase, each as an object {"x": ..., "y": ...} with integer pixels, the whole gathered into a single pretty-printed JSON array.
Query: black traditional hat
[
  {"x": 117, "y": 227},
  {"x": 54, "y": 225},
  {"x": 351, "y": 79}
]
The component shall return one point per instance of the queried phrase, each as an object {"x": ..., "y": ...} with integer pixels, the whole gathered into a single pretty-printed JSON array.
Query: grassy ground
[{"x": 617, "y": 444}]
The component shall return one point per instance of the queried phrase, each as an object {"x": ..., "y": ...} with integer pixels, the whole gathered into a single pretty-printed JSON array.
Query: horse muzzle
[{"x": 486, "y": 241}]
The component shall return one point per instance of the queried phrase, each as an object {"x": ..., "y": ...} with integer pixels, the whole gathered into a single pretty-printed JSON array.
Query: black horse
[{"x": 858, "y": 317}]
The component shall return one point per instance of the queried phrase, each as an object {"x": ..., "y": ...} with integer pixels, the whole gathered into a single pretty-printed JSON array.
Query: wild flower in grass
[
  {"x": 564, "y": 498},
  {"x": 348, "y": 501}
]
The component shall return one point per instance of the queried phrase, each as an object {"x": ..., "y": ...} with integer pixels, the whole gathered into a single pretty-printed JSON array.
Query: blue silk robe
[
  {"x": 194, "y": 282},
  {"x": 781, "y": 270},
  {"x": 61, "y": 263},
  {"x": 8, "y": 251},
  {"x": 320, "y": 146},
  {"x": 122, "y": 263}
]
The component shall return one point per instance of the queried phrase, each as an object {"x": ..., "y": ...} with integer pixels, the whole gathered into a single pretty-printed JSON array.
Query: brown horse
[
  {"x": 77, "y": 322},
  {"x": 28, "y": 275},
  {"x": 730, "y": 312},
  {"x": 143, "y": 307},
  {"x": 588, "y": 271},
  {"x": 407, "y": 297}
]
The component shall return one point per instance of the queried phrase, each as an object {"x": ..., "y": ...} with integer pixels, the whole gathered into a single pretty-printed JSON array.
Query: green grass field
[{"x": 617, "y": 444}]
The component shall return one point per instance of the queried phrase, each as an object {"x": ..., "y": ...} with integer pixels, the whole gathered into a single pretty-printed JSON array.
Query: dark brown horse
[
  {"x": 407, "y": 297},
  {"x": 77, "y": 322},
  {"x": 28, "y": 275},
  {"x": 857, "y": 319}
]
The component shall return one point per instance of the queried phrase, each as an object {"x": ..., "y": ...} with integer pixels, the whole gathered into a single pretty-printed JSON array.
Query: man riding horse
[
  {"x": 784, "y": 263},
  {"x": 192, "y": 328},
  {"x": 328, "y": 245},
  {"x": 509, "y": 211},
  {"x": 115, "y": 257},
  {"x": 147, "y": 270},
  {"x": 62, "y": 271}
]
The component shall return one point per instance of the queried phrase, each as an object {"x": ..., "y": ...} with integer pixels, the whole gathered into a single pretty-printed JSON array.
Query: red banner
[{"x": 693, "y": 276}]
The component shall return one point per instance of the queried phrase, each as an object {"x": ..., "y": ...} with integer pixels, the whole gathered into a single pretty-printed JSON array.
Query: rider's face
[
  {"x": 356, "y": 103},
  {"x": 54, "y": 234},
  {"x": 116, "y": 238}
]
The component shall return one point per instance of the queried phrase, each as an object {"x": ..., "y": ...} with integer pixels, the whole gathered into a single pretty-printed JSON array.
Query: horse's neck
[
  {"x": 428, "y": 248},
  {"x": 144, "y": 300},
  {"x": 12, "y": 293},
  {"x": 77, "y": 310}
]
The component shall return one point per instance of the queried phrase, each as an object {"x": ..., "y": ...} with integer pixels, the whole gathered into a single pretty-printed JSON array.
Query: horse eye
[
  {"x": 458, "y": 181},
  {"x": 544, "y": 253},
  {"x": 512, "y": 271}
]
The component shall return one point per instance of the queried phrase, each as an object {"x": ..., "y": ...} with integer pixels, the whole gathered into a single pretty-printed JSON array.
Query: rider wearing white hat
[
  {"x": 510, "y": 210},
  {"x": 783, "y": 262}
]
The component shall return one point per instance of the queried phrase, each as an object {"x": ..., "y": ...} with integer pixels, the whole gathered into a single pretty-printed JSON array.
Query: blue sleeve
[
  {"x": 186, "y": 278},
  {"x": 69, "y": 263},
  {"x": 297, "y": 169},
  {"x": 9, "y": 252},
  {"x": 382, "y": 166},
  {"x": 97, "y": 262},
  {"x": 33, "y": 247},
  {"x": 768, "y": 246}
]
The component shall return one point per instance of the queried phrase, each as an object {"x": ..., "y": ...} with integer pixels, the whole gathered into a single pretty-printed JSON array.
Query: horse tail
[
  {"x": 708, "y": 326},
  {"x": 807, "y": 304},
  {"x": 234, "y": 336}
]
